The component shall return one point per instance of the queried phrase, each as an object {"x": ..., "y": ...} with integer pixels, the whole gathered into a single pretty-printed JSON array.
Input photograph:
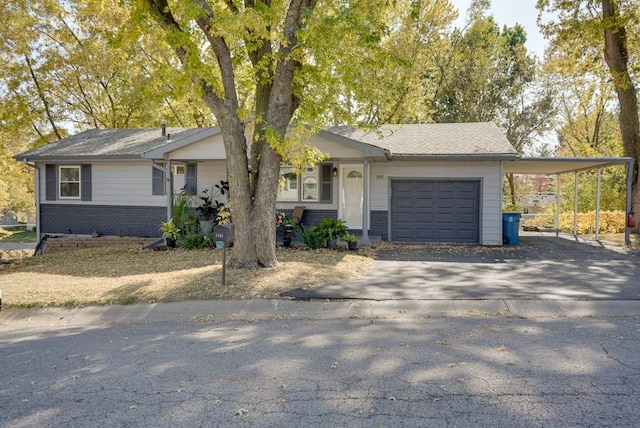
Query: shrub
[
  {"x": 193, "y": 241},
  {"x": 610, "y": 222},
  {"x": 313, "y": 237}
]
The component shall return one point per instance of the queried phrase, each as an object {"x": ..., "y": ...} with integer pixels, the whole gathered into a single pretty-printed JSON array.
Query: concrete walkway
[
  {"x": 17, "y": 245},
  {"x": 266, "y": 310}
]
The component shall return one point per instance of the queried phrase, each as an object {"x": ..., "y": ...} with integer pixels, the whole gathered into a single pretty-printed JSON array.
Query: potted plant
[
  {"x": 209, "y": 209},
  {"x": 351, "y": 241},
  {"x": 332, "y": 230},
  {"x": 170, "y": 232},
  {"x": 288, "y": 226}
]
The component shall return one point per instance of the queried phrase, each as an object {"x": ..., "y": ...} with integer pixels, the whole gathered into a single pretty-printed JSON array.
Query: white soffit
[{"x": 559, "y": 165}]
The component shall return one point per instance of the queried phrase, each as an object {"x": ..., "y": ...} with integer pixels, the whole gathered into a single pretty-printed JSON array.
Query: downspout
[
  {"x": 169, "y": 191},
  {"x": 36, "y": 189},
  {"x": 365, "y": 204}
]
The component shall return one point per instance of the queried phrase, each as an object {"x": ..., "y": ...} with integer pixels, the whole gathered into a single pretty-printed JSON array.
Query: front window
[
  {"x": 314, "y": 184},
  {"x": 69, "y": 182},
  {"x": 310, "y": 184}
]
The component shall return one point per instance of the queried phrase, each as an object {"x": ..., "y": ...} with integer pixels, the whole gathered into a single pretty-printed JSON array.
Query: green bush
[
  {"x": 193, "y": 241},
  {"x": 333, "y": 229},
  {"x": 313, "y": 237}
]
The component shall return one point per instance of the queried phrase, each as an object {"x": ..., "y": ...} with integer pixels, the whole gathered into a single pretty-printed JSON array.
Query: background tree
[
  {"x": 486, "y": 74},
  {"x": 611, "y": 26},
  {"x": 392, "y": 82},
  {"x": 68, "y": 66}
]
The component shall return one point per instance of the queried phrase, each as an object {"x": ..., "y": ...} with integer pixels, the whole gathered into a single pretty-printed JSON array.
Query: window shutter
[
  {"x": 326, "y": 182},
  {"x": 191, "y": 179},
  {"x": 85, "y": 180},
  {"x": 157, "y": 181},
  {"x": 51, "y": 182}
]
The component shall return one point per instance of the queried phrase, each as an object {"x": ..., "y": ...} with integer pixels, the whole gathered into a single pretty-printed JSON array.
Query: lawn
[
  {"x": 17, "y": 235},
  {"x": 126, "y": 275}
]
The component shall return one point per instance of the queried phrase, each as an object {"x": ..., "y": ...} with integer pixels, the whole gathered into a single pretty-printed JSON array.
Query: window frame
[
  {"x": 324, "y": 183},
  {"x": 61, "y": 182},
  {"x": 158, "y": 180}
]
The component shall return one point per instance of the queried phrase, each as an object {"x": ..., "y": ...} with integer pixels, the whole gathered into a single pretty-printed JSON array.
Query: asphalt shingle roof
[
  {"x": 434, "y": 139},
  {"x": 124, "y": 143},
  {"x": 419, "y": 140}
]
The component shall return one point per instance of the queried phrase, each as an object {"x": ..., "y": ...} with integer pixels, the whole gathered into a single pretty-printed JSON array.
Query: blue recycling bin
[{"x": 510, "y": 228}]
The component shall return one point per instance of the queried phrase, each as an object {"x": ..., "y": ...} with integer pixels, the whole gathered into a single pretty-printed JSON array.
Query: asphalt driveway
[{"x": 540, "y": 267}]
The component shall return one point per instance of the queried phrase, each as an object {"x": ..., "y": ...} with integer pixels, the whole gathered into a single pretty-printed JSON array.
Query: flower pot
[
  {"x": 286, "y": 242},
  {"x": 353, "y": 245},
  {"x": 331, "y": 243},
  {"x": 206, "y": 226},
  {"x": 171, "y": 243}
]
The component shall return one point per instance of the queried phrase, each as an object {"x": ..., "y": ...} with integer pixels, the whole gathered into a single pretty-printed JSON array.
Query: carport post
[
  {"x": 627, "y": 238},
  {"x": 365, "y": 204},
  {"x": 598, "y": 204},
  {"x": 557, "y": 219},
  {"x": 575, "y": 205}
]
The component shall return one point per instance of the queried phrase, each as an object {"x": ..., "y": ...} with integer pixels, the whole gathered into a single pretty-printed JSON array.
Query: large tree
[
  {"x": 613, "y": 26},
  {"x": 264, "y": 69}
]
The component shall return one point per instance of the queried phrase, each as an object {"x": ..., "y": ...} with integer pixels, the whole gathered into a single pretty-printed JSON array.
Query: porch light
[{"x": 335, "y": 171}]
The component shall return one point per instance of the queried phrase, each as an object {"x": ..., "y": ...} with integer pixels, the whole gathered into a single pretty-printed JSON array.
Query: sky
[{"x": 511, "y": 12}]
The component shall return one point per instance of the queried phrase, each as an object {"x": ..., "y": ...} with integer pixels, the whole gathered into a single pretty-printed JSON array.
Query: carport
[{"x": 560, "y": 166}]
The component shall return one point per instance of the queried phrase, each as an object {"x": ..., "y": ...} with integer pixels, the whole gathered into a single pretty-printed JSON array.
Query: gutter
[{"x": 419, "y": 158}]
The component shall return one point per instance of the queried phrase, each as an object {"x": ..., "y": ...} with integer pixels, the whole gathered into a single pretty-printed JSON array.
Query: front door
[{"x": 351, "y": 195}]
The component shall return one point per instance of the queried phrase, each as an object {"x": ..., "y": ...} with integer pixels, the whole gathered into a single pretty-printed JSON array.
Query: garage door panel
[
  {"x": 424, "y": 187},
  {"x": 468, "y": 204},
  {"x": 423, "y": 202},
  {"x": 466, "y": 218},
  {"x": 435, "y": 211},
  {"x": 404, "y": 203},
  {"x": 404, "y": 217},
  {"x": 424, "y": 218},
  {"x": 404, "y": 187},
  {"x": 405, "y": 235},
  {"x": 447, "y": 204}
]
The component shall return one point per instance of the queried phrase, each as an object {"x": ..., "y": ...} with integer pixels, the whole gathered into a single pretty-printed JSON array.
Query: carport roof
[{"x": 528, "y": 165}]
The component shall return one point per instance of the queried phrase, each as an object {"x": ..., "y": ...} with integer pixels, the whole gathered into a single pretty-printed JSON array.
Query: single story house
[{"x": 404, "y": 183}]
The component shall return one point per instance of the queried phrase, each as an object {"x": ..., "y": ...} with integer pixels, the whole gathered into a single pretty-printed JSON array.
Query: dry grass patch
[{"x": 124, "y": 275}]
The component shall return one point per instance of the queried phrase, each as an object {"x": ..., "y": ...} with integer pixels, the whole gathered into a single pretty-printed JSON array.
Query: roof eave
[
  {"x": 461, "y": 157},
  {"x": 75, "y": 159},
  {"x": 368, "y": 150},
  {"x": 160, "y": 152}
]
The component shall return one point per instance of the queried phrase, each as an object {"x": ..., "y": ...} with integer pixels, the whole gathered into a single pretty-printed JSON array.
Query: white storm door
[{"x": 351, "y": 195}]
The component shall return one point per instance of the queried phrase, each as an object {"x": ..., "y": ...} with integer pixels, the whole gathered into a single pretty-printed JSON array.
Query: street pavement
[
  {"x": 505, "y": 359},
  {"x": 322, "y": 364}
]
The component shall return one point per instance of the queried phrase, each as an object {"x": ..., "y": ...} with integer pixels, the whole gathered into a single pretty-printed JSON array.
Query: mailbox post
[{"x": 226, "y": 234}]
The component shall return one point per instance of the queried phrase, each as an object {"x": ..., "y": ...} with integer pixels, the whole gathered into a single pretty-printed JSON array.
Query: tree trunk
[
  {"x": 617, "y": 57},
  {"x": 512, "y": 189}
]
